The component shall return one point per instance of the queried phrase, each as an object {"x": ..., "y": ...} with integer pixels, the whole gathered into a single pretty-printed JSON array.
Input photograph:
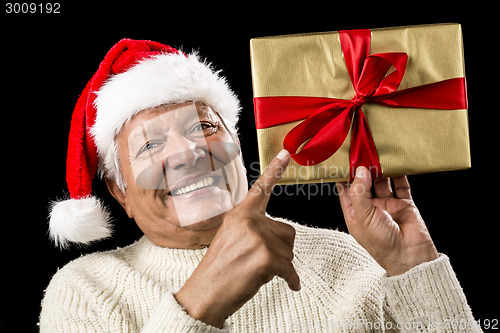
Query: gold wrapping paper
[{"x": 408, "y": 140}]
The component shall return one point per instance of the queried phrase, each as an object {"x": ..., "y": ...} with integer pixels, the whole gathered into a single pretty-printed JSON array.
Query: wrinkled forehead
[{"x": 166, "y": 117}]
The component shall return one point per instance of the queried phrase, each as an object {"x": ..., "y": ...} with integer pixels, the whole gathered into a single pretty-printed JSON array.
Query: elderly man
[{"x": 160, "y": 127}]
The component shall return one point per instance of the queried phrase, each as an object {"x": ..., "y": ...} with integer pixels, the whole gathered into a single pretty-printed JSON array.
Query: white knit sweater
[{"x": 343, "y": 290}]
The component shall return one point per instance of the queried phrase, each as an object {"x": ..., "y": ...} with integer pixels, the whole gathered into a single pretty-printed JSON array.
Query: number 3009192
[{"x": 32, "y": 8}]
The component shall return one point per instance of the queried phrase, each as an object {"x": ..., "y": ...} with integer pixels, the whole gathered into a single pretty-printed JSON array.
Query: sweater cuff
[
  {"x": 429, "y": 296},
  {"x": 170, "y": 316}
]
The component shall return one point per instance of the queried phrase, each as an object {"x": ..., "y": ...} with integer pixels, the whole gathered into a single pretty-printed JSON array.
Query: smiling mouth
[{"x": 195, "y": 185}]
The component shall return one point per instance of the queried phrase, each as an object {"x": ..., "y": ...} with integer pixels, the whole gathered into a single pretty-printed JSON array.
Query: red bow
[{"x": 329, "y": 119}]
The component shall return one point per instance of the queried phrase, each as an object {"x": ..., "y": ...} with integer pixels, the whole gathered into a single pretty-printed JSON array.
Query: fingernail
[
  {"x": 283, "y": 154},
  {"x": 361, "y": 172}
]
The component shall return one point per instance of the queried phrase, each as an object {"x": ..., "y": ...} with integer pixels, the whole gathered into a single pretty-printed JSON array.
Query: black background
[{"x": 46, "y": 60}]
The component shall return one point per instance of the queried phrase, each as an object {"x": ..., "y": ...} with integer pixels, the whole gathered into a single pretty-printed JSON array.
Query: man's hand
[
  {"x": 248, "y": 251},
  {"x": 389, "y": 225}
]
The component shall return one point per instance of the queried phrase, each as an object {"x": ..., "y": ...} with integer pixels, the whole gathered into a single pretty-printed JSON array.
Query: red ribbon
[{"x": 329, "y": 119}]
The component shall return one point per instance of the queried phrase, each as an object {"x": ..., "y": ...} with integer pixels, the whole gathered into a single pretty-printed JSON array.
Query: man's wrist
[
  {"x": 199, "y": 309},
  {"x": 414, "y": 258}
]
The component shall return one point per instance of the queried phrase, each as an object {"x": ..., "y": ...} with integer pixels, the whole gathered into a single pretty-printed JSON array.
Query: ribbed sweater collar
[{"x": 165, "y": 264}]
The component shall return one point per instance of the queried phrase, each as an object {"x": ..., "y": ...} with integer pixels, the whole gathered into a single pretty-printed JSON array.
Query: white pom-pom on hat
[
  {"x": 133, "y": 76},
  {"x": 79, "y": 221}
]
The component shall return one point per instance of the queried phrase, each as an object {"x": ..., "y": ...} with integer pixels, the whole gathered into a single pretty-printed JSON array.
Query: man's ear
[{"x": 119, "y": 195}]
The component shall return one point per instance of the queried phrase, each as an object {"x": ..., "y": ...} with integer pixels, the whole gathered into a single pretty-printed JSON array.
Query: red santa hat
[{"x": 134, "y": 75}]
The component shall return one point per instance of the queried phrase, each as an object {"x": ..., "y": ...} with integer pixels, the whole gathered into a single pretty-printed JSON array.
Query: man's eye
[
  {"x": 200, "y": 127},
  {"x": 148, "y": 146},
  {"x": 207, "y": 128}
]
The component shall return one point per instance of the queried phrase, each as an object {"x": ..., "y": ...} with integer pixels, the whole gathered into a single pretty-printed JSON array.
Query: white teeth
[{"x": 195, "y": 186}]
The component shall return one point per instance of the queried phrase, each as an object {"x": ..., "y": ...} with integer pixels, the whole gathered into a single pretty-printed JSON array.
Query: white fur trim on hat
[
  {"x": 78, "y": 221},
  {"x": 161, "y": 79}
]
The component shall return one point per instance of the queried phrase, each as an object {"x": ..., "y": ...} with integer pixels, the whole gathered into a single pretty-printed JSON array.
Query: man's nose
[{"x": 182, "y": 152}]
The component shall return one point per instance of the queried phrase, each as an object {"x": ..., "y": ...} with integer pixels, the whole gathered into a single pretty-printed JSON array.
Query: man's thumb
[{"x": 360, "y": 192}]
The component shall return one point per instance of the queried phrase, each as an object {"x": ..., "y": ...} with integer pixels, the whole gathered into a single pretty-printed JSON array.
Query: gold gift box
[{"x": 408, "y": 140}]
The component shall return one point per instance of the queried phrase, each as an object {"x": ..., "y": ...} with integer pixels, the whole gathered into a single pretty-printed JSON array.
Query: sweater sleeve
[
  {"x": 72, "y": 304},
  {"x": 169, "y": 316},
  {"x": 69, "y": 305},
  {"x": 428, "y": 298}
]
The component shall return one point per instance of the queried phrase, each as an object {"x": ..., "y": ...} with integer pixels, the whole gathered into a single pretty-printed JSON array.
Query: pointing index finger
[{"x": 260, "y": 192}]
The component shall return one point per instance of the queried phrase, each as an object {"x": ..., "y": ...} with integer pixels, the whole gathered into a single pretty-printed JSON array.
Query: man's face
[{"x": 182, "y": 169}]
